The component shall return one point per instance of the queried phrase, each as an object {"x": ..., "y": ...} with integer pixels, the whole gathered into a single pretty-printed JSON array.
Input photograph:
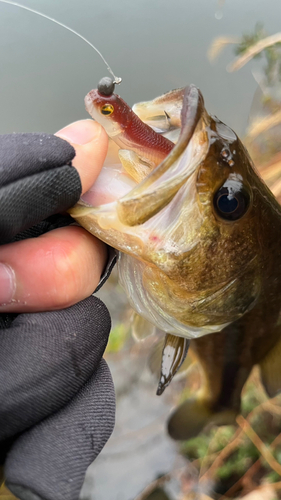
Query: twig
[
  {"x": 250, "y": 472},
  {"x": 204, "y": 462},
  {"x": 254, "y": 50},
  {"x": 271, "y": 169},
  {"x": 264, "y": 124},
  {"x": 223, "y": 455},
  {"x": 155, "y": 484},
  {"x": 218, "y": 45},
  {"x": 264, "y": 451},
  {"x": 276, "y": 486}
]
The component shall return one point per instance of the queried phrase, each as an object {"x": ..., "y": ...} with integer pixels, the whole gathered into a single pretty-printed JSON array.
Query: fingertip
[{"x": 90, "y": 142}]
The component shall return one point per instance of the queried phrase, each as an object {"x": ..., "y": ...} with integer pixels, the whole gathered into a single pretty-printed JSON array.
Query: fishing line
[{"x": 117, "y": 79}]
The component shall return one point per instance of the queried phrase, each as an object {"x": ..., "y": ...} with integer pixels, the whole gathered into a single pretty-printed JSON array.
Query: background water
[{"x": 154, "y": 45}]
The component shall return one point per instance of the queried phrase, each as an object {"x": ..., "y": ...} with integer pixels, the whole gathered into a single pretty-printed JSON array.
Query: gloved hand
[{"x": 57, "y": 397}]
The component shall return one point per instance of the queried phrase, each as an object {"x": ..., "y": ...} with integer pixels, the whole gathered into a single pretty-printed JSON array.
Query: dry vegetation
[
  {"x": 245, "y": 461},
  {"x": 233, "y": 462}
]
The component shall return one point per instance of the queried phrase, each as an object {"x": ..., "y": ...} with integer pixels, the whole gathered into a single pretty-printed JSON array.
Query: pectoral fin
[
  {"x": 155, "y": 359},
  {"x": 271, "y": 370},
  {"x": 141, "y": 328},
  {"x": 173, "y": 355}
]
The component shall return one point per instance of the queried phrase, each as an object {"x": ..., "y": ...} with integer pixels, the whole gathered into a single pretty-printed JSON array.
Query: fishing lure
[{"x": 124, "y": 126}]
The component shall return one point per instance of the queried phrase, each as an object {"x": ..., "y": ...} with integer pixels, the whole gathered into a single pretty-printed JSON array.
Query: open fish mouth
[
  {"x": 178, "y": 263},
  {"x": 112, "y": 183},
  {"x": 163, "y": 113},
  {"x": 192, "y": 260},
  {"x": 137, "y": 202}
]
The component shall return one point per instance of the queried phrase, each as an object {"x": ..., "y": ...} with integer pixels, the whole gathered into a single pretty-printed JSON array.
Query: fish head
[
  {"x": 196, "y": 232},
  {"x": 229, "y": 208},
  {"x": 109, "y": 110},
  {"x": 207, "y": 223}
]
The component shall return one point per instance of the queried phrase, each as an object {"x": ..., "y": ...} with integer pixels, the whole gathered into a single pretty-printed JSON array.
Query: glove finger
[
  {"x": 44, "y": 360},
  {"x": 22, "y": 155},
  {"x": 27, "y": 201},
  {"x": 49, "y": 461},
  {"x": 44, "y": 226}
]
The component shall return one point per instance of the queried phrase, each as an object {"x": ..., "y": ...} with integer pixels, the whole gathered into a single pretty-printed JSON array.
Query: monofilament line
[{"x": 117, "y": 79}]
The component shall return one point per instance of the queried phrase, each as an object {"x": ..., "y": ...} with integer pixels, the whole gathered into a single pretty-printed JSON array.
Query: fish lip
[
  {"x": 161, "y": 185},
  {"x": 192, "y": 115}
]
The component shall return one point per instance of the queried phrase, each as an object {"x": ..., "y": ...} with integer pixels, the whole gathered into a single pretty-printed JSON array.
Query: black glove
[{"x": 57, "y": 397}]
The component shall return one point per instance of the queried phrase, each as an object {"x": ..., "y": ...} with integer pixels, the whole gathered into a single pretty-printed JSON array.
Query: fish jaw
[{"x": 168, "y": 176}]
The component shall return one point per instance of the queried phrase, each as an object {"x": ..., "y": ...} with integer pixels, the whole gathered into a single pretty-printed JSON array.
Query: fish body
[{"x": 200, "y": 240}]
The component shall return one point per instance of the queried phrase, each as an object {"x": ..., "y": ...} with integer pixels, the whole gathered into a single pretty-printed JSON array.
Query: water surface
[{"x": 154, "y": 45}]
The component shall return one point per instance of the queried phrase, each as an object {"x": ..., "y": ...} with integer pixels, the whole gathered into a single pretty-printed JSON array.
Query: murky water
[{"x": 154, "y": 45}]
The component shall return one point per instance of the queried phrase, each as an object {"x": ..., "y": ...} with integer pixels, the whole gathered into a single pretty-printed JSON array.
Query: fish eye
[
  {"x": 231, "y": 201},
  {"x": 107, "y": 109}
]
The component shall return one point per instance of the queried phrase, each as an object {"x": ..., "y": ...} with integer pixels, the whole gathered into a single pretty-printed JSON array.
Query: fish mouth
[
  {"x": 163, "y": 113},
  {"x": 112, "y": 183},
  {"x": 136, "y": 203}
]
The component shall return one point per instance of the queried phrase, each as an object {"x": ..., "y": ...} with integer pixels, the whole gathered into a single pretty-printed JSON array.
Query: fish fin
[
  {"x": 155, "y": 358},
  {"x": 271, "y": 370},
  {"x": 134, "y": 165},
  {"x": 173, "y": 355},
  {"x": 141, "y": 328},
  {"x": 186, "y": 365},
  {"x": 193, "y": 415}
]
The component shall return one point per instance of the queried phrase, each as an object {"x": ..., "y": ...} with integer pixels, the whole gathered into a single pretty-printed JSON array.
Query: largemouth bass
[{"x": 199, "y": 236}]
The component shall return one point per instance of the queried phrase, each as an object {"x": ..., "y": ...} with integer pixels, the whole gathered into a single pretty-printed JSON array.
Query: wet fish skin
[
  {"x": 226, "y": 358},
  {"x": 225, "y": 361},
  {"x": 191, "y": 269}
]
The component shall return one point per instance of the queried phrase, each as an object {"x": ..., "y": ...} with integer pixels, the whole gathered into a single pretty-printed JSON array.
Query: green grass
[{"x": 117, "y": 338}]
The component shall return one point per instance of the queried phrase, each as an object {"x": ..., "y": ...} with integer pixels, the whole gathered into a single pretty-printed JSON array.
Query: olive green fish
[{"x": 199, "y": 238}]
